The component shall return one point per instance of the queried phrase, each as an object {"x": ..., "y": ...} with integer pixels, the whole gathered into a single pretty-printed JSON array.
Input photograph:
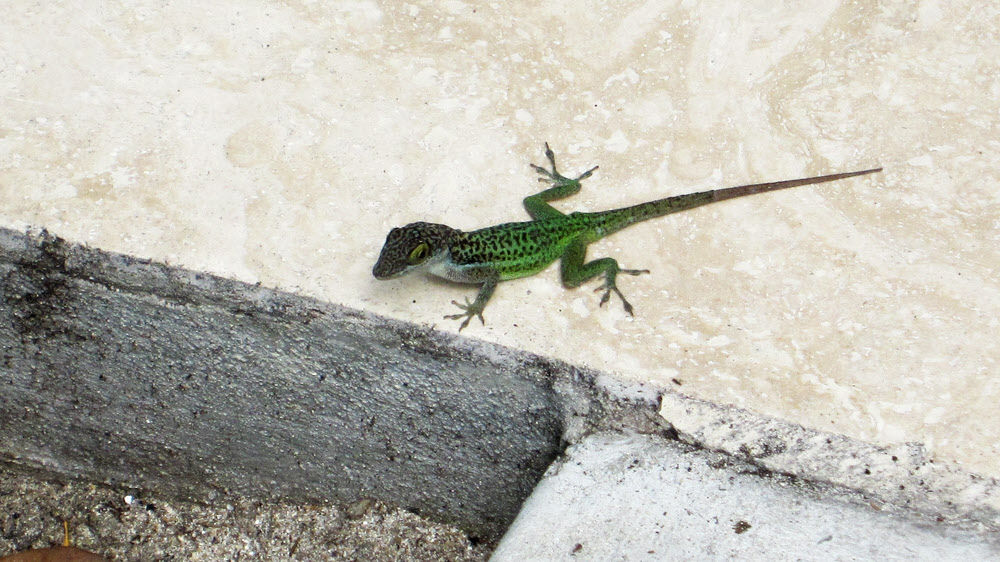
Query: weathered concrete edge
[
  {"x": 636, "y": 497},
  {"x": 135, "y": 373},
  {"x": 584, "y": 400},
  {"x": 904, "y": 475}
]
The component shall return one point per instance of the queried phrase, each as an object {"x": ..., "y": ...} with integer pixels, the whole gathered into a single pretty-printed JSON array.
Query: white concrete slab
[{"x": 616, "y": 497}]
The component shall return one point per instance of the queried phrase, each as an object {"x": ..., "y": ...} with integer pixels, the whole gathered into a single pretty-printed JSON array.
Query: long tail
[{"x": 609, "y": 222}]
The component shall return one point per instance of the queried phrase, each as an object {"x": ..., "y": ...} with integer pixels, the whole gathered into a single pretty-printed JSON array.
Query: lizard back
[{"x": 518, "y": 249}]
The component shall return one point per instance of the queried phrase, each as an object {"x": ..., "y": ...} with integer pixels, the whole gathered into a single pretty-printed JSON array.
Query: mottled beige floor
[{"x": 278, "y": 142}]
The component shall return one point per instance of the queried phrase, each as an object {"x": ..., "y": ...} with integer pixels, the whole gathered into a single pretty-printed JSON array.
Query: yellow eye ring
[{"x": 419, "y": 254}]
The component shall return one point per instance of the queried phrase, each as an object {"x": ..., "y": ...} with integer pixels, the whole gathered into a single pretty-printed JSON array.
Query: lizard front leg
[
  {"x": 575, "y": 272},
  {"x": 537, "y": 205},
  {"x": 476, "y": 307}
]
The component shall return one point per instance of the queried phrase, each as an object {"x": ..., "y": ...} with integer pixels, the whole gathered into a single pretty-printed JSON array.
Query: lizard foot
[
  {"x": 554, "y": 177},
  {"x": 610, "y": 286},
  {"x": 469, "y": 311}
]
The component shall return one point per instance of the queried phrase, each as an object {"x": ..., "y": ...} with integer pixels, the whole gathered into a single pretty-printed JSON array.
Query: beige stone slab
[{"x": 278, "y": 142}]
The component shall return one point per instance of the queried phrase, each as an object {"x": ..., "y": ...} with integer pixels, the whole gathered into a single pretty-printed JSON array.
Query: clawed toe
[
  {"x": 553, "y": 176},
  {"x": 468, "y": 312},
  {"x": 607, "y": 295}
]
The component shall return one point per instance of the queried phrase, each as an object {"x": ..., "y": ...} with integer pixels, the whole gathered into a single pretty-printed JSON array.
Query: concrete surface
[
  {"x": 129, "y": 525},
  {"x": 276, "y": 143},
  {"x": 138, "y": 374},
  {"x": 279, "y": 142},
  {"x": 197, "y": 394},
  {"x": 903, "y": 475},
  {"x": 635, "y": 497}
]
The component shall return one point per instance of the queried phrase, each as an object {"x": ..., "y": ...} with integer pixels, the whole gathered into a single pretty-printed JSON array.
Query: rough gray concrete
[
  {"x": 131, "y": 526},
  {"x": 636, "y": 497},
  {"x": 138, "y": 374}
]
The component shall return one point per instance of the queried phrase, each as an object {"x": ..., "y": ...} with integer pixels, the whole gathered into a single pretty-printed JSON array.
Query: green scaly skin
[{"x": 519, "y": 249}]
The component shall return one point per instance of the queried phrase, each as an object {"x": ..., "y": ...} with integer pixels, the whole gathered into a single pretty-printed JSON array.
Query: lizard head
[{"x": 416, "y": 245}]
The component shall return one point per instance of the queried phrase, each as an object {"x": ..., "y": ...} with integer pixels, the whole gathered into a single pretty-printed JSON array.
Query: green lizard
[{"x": 519, "y": 249}]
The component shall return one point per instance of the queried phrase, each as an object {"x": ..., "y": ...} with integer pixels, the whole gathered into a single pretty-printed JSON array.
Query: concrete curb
[
  {"x": 136, "y": 374},
  {"x": 132, "y": 373},
  {"x": 902, "y": 475},
  {"x": 635, "y": 497}
]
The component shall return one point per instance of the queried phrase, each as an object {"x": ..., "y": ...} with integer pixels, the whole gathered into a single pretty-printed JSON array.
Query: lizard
[{"x": 520, "y": 249}]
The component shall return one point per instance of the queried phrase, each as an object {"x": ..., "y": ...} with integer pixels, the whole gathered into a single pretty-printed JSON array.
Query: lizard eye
[{"x": 418, "y": 254}]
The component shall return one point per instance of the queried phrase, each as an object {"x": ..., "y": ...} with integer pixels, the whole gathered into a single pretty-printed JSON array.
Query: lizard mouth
[{"x": 382, "y": 272}]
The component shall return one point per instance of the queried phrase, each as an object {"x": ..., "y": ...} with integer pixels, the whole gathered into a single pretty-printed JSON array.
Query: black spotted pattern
[{"x": 518, "y": 249}]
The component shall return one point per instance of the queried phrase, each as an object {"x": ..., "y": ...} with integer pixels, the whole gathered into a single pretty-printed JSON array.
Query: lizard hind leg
[
  {"x": 575, "y": 272},
  {"x": 610, "y": 277}
]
